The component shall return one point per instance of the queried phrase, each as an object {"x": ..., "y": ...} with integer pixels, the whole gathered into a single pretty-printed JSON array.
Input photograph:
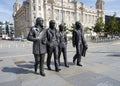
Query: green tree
[
  {"x": 112, "y": 26},
  {"x": 65, "y": 27},
  {"x": 119, "y": 26},
  {"x": 99, "y": 26},
  {"x": 86, "y": 29},
  {"x": 72, "y": 27}
]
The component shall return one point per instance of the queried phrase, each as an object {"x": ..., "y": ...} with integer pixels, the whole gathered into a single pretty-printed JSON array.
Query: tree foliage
[
  {"x": 112, "y": 26},
  {"x": 99, "y": 26}
]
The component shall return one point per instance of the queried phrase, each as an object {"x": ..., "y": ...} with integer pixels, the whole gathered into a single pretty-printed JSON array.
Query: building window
[
  {"x": 39, "y": 7},
  {"x": 67, "y": 15},
  {"x": 56, "y": 14},
  {"x": 93, "y": 19},
  {"x": 73, "y": 15},
  {"x": 86, "y": 17},
  {"x": 89, "y": 18},
  {"x": 39, "y": 14},
  {"x": 33, "y": 1},
  {"x": 34, "y": 8},
  {"x": 34, "y": 16},
  {"x": 80, "y": 17}
]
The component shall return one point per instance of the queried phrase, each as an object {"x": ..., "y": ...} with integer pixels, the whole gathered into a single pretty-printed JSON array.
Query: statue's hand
[
  {"x": 37, "y": 39},
  {"x": 86, "y": 46},
  {"x": 73, "y": 45}
]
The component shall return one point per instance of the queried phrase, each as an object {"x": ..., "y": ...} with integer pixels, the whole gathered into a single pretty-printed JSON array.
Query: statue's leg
[
  {"x": 79, "y": 56},
  {"x": 74, "y": 58},
  {"x": 36, "y": 57},
  {"x": 49, "y": 55},
  {"x": 64, "y": 50},
  {"x": 42, "y": 57},
  {"x": 57, "y": 69},
  {"x": 59, "y": 54}
]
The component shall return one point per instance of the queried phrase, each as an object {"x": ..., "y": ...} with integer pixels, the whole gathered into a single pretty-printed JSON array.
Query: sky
[{"x": 6, "y": 7}]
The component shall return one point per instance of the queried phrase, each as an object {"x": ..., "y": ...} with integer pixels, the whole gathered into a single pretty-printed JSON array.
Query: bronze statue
[
  {"x": 52, "y": 45},
  {"x": 79, "y": 42},
  {"x": 62, "y": 44},
  {"x": 37, "y": 34}
]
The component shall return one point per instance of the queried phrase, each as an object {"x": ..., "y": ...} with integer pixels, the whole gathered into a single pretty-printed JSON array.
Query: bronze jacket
[{"x": 38, "y": 36}]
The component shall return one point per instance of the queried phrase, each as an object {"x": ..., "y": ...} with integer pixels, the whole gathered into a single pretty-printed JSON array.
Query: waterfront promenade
[{"x": 101, "y": 66}]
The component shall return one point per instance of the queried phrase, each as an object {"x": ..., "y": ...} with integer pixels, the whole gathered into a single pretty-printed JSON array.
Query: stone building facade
[{"x": 72, "y": 11}]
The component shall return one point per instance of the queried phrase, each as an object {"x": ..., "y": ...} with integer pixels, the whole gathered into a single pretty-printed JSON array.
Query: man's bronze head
[
  {"x": 39, "y": 21},
  {"x": 52, "y": 24},
  {"x": 78, "y": 25},
  {"x": 61, "y": 27}
]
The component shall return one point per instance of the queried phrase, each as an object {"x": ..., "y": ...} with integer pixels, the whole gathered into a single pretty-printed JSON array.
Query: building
[
  {"x": 6, "y": 28},
  {"x": 25, "y": 15}
]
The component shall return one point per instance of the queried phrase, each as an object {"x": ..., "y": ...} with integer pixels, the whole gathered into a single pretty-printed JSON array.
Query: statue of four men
[{"x": 53, "y": 41}]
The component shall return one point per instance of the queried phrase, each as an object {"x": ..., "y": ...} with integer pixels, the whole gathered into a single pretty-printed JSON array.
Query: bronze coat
[{"x": 39, "y": 46}]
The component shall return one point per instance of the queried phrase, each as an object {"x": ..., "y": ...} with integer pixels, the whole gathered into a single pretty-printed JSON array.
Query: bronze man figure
[
  {"x": 79, "y": 42},
  {"x": 37, "y": 34},
  {"x": 62, "y": 44},
  {"x": 52, "y": 45}
]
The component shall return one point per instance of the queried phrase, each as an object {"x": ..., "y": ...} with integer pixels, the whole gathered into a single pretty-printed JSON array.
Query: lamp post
[{"x": 62, "y": 11}]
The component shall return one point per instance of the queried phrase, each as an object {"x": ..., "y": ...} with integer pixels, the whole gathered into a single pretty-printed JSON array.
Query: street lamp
[{"x": 62, "y": 11}]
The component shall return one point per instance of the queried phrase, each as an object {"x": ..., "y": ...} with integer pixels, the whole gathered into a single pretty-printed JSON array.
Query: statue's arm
[
  {"x": 65, "y": 38},
  {"x": 73, "y": 38},
  {"x": 84, "y": 41},
  {"x": 44, "y": 39},
  {"x": 31, "y": 35}
]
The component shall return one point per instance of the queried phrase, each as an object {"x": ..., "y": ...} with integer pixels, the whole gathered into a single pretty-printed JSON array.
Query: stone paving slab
[
  {"x": 96, "y": 71},
  {"x": 9, "y": 79},
  {"x": 6, "y": 63},
  {"x": 47, "y": 81},
  {"x": 92, "y": 79}
]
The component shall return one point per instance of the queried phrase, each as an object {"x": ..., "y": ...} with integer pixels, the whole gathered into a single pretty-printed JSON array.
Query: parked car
[
  {"x": 6, "y": 37},
  {"x": 17, "y": 39}
]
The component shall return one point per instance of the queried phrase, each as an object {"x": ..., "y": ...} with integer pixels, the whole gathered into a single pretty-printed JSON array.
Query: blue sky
[{"x": 6, "y": 7}]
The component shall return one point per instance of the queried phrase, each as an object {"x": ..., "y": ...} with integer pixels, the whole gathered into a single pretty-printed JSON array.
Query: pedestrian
[
  {"x": 37, "y": 35},
  {"x": 79, "y": 42}
]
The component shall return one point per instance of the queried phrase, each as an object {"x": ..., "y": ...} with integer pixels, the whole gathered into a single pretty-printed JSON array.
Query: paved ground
[{"x": 101, "y": 66}]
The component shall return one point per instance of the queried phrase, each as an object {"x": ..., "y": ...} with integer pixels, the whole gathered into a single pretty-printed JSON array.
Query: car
[
  {"x": 17, "y": 39},
  {"x": 6, "y": 37}
]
